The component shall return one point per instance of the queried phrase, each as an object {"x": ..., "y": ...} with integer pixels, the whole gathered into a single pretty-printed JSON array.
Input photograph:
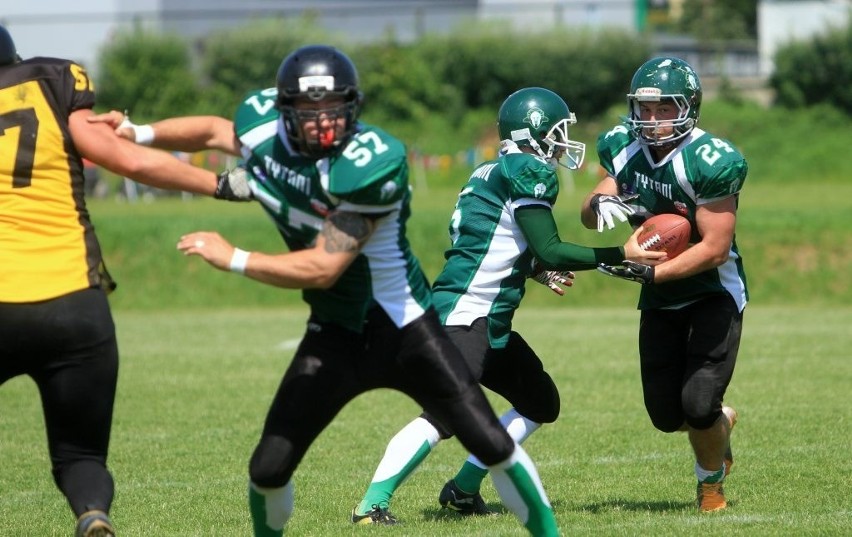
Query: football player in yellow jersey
[{"x": 55, "y": 321}]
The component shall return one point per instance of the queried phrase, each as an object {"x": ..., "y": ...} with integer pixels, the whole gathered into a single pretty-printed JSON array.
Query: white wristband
[
  {"x": 239, "y": 260},
  {"x": 144, "y": 134}
]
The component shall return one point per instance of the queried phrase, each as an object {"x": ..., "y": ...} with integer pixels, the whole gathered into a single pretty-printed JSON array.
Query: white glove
[{"x": 607, "y": 207}]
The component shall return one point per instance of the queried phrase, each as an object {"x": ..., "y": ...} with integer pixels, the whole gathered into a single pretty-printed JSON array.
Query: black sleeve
[{"x": 539, "y": 229}]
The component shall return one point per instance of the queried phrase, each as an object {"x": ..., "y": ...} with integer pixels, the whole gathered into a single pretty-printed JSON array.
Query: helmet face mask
[
  {"x": 539, "y": 119},
  {"x": 669, "y": 81},
  {"x": 567, "y": 153},
  {"x": 319, "y": 100}
]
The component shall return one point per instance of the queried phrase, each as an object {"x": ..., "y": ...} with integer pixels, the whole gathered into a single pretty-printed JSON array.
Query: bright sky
[{"x": 59, "y": 28}]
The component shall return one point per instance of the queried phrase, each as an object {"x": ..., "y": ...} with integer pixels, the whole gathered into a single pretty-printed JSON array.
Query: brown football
[{"x": 665, "y": 233}]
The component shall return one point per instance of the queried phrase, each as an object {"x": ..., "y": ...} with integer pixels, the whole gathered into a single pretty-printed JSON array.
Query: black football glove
[
  {"x": 233, "y": 185},
  {"x": 552, "y": 278},
  {"x": 606, "y": 207},
  {"x": 635, "y": 272}
]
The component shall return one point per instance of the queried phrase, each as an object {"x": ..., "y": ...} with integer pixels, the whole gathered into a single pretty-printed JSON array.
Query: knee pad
[
  {"x": 704, "y": 421},
  {"x": 541, "y": 403},
  {"x": 271, "y": 464},
  {"x": 700, "y": 408},
  {"x": 668, "y": 423}
]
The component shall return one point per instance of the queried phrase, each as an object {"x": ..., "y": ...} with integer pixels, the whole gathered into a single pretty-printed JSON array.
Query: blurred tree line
[
  {"x": 447, "y": 79},
  {"x": 438, "y": 78}
]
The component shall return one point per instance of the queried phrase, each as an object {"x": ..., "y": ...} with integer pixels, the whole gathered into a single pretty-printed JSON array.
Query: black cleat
[
  {"x": 455, "y": 499},
  {"x": 377, "y": 515}
]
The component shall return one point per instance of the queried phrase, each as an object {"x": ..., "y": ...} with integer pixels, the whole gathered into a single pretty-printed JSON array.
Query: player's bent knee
[
  {"x": 271, "y": 462},
  {"x": 443, "y": 432},
  {"x": 701, "y": 412},
  {"x": 704, "y": 421},
  {"x": 546, "y": 405},
  {"x": 667, "y": 424}
]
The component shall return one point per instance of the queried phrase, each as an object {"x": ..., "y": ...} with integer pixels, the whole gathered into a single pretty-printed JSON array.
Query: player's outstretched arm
[
  {"x": 187, "y": 133},
  {"x": 338, "y": 244},
  {"x": 160, "y": 169}
]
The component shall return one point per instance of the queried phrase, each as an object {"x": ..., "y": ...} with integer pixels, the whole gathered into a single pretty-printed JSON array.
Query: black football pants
[
  {"x": 333, "y": 365},
  {"x": 687, "y": 358},
  {"x": 514, "y": 372},
  {"x": 67, "y": 345}
]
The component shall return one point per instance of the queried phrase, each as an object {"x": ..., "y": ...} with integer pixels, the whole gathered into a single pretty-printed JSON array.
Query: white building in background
[
  {"x": 537, "y": 14},
  {"x": 782, "y": 21}
]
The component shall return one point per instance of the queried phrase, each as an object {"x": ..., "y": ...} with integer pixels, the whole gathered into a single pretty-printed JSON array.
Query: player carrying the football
[
  {"x": 337, "y": 189},
  {"x": 692, "y": 305},
  {"x": 503, "y": 223}
]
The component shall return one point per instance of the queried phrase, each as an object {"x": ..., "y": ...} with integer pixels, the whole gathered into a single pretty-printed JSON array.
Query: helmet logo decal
[
  {"x": 535, "y": 117},
  {"x": 691, "y": 80},
  {"x": 539, "y": 190},
  {"x": 648, "y": 94},
  {"x": 307, "y": 83}
]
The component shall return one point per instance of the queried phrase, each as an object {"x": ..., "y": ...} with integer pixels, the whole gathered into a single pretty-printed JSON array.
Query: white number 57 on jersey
[{"x": 362, "y": 148}]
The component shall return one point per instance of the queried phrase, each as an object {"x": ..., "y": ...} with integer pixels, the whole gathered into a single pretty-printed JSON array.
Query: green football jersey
[
  {"x": 488, "y": 261},
  {"x": 369, "y": 176},
  {"x": 703, "y": 168}
]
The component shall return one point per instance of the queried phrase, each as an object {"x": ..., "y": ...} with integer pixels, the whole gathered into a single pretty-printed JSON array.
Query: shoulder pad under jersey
[
  {"x": 256, "y": 112},
  {"x": 530, "y": 176},
  {"x": 371, "y": 170}
]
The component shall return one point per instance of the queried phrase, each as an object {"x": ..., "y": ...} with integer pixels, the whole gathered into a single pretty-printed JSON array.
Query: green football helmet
[
  {"x": 539, "y": 118},
  {"x": 659, "y": 79}
]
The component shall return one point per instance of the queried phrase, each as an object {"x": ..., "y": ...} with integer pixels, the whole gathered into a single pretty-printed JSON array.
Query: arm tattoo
[{"x": 345, "y": 231}]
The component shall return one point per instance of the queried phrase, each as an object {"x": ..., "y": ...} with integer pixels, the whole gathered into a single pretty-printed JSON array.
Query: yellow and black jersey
[{"x": 48, "y": 246}]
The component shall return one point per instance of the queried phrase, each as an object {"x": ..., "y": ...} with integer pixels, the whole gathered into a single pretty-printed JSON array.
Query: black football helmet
[
  {"x": 317, "y": 73},
  {"x": 8, "y": 54}
]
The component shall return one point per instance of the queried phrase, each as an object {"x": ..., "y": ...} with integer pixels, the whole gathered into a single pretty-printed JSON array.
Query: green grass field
[
  {"x": 202, "y": 353},
  {"x": 794, "y": 240},
  {"x": 194, "y": 386}
]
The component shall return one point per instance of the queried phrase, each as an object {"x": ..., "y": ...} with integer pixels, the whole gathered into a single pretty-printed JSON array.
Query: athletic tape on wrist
[
  {"x": 144, "y": 134},
  {"x": 239, "y": 260}
]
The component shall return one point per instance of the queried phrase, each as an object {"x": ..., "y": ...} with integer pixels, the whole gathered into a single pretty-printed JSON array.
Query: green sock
[
  {"x": 716, "y": 477},
  {"x": 470, "y": 476},
  {"x": 380, "y": 492},
  {"x": 257, "y": 506}
]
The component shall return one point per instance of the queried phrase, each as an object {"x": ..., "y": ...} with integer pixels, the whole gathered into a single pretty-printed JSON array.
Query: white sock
[
  {"x": 518, "y": 427},
  {"x": 404, "y": 446},
  {"x": 278, "y": 504},
  {"x": 703, "y": 474}
]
